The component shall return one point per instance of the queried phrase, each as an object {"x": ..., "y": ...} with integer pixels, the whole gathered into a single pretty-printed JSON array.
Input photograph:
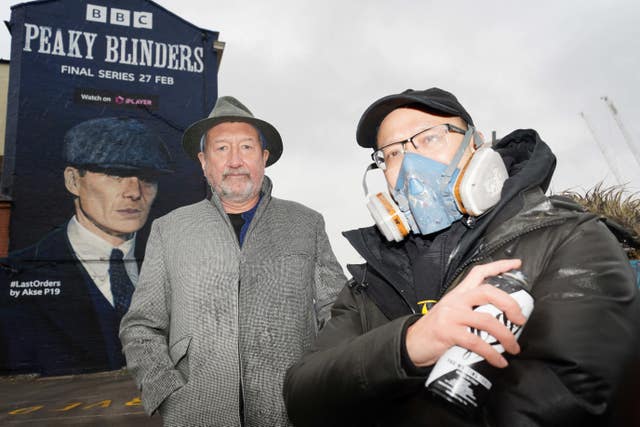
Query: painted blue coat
[{"x": 53, "y": 318}]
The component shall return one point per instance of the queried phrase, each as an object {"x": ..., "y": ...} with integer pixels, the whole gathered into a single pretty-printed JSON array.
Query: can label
[{"x": 462, "y": 376}]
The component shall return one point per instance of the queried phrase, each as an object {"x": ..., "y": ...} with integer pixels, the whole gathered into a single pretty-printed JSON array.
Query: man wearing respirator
[{"x": 458, "y": 212}]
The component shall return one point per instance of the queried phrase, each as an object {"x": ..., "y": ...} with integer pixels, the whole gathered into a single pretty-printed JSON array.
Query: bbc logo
[{"x": 123, "y": 17}]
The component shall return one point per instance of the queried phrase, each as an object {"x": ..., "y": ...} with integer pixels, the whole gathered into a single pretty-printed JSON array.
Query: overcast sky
[{"x": 312, "y": 68}]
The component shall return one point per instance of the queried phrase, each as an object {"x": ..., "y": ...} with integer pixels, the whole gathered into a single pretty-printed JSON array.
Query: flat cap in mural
[{"x": 116, "y": 143}]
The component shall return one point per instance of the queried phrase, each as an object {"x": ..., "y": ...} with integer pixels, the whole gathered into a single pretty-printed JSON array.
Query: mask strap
[
  {"x": 372, "y": 166},
  {"x": 477, "y": 139},
  {"x": 448, "y": 173}
]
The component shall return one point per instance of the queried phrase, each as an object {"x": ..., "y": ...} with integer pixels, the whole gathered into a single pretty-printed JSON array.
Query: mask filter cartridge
[{"x": 391, "y": 222}]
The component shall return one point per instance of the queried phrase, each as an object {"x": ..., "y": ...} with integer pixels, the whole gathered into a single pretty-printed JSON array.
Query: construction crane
[
  {"x": 605, "y": 153},
  {"x": 627, "y": 136}
]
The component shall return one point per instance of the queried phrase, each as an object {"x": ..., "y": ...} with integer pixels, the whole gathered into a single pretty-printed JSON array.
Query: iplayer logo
[{"x": 115, "y": 16}]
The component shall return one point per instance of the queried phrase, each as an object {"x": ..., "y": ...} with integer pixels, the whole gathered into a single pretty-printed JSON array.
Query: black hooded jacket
[{"x": 574, "y": 348}]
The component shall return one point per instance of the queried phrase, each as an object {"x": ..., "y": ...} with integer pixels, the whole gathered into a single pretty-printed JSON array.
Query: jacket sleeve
[
  {"x": 579, "y": 338},
  {"x": 347, "y": 368},
  {"x": 144, "y": 329},
  {"x": 328, "y": 276}
]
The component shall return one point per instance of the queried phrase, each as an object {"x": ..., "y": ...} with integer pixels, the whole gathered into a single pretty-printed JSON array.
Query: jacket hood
[{"x": 529, "y": 161}]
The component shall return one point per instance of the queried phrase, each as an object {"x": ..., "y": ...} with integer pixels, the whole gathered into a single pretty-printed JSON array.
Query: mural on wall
[{"x": 99, "y": 94}]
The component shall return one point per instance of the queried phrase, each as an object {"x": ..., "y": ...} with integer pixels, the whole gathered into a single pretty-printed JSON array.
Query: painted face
[
  {"x": 113, "y": 207},
  {"x": 233, "y": 162},
  {"x": 403, "y": 123}
]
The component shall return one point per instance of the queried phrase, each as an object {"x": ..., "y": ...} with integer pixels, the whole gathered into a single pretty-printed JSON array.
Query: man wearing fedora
[
  {"x": 233, "y": 289},
  {"x": 63, "y": 297}
]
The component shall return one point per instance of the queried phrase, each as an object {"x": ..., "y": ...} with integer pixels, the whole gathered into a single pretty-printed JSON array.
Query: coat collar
[{"x": 265, "y": 198}]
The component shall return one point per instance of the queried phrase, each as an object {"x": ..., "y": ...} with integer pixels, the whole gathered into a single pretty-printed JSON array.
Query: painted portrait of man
[{"x": 64, "y": 296}]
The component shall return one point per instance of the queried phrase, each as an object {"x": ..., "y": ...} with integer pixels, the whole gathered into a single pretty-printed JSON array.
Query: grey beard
[
  {"x": 225, "y": 193},
  {"x": 237, "y": 197}
]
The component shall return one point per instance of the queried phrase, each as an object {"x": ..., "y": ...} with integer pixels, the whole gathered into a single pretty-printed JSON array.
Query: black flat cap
[{"x": 433, "y": 100}]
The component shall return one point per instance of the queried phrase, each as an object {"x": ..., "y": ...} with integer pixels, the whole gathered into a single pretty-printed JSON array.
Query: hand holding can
[{"x": 465, "y": 378}]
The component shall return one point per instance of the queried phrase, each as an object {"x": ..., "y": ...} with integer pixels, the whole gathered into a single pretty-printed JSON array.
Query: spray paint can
[{"x": 461, "y": 376}]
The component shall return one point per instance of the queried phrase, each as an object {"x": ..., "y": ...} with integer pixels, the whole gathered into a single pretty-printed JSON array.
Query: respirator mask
[{"x": 429, "y": 196}]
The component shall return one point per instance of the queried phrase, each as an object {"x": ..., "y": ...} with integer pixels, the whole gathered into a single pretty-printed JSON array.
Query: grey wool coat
[{"x": 208, "y": 317}]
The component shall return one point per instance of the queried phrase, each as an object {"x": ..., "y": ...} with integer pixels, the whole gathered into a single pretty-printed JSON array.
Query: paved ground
[
  {"x": 111, "y": 399},
  {"x": 102, "y": 399}
]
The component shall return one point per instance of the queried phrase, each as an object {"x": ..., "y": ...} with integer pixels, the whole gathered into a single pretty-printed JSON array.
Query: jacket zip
[
  {"x": 494, "y": 248},
  {"x": 357, "y": 295}
]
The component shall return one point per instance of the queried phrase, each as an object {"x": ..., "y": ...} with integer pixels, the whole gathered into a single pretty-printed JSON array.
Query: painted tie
[{"x": 121, "y": 286}]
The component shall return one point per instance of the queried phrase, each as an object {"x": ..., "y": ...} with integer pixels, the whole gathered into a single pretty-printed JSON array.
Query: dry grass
[{"x": 614, "y": 203}]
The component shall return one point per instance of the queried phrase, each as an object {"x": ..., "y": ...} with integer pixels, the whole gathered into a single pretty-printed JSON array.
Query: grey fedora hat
[{"x": 229, "y": 109}]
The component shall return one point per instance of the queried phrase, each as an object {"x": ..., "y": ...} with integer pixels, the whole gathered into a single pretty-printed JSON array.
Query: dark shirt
[
  {"x": 237, "y": 222},
  {"x": 241, "y": 222}
]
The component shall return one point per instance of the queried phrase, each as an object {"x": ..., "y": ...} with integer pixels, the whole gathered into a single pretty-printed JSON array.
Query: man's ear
[
  {"x": 202, "y": 159},
  {"x": 265, "y": 156},
  {"x": 71, "y": 176}
]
